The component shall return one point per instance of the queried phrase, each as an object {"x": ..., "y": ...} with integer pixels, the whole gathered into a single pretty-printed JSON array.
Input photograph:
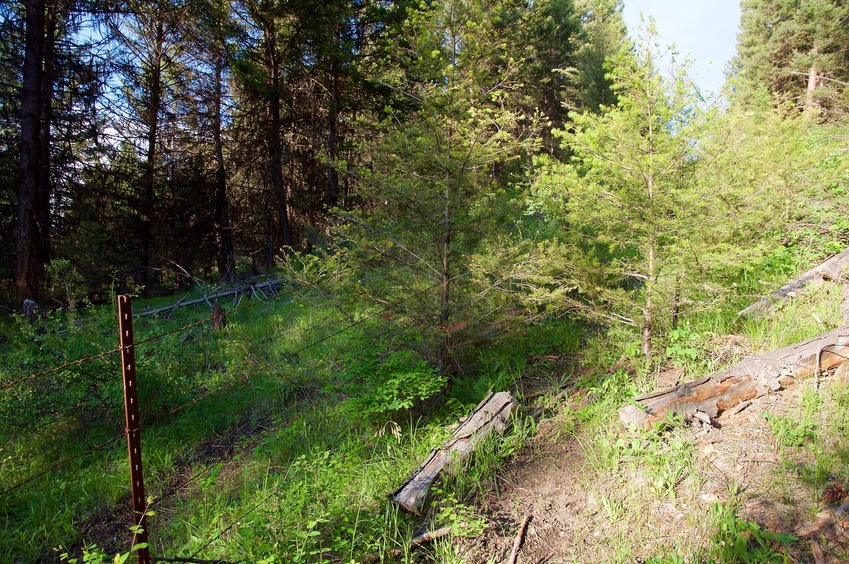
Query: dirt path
[{"x": 608, "y": 495}]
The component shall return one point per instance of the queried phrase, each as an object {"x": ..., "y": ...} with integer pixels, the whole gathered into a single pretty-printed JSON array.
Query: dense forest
[
  {"x": 454, "y": 178},
  {"x": 147, "y": 145}
]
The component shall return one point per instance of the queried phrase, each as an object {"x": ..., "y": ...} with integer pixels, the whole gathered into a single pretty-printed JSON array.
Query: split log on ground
[
  {"x": 829, "y": 270},
  {"x": 753, "y": 377},
  {"x": 490, "y": 414},
  {"x": 271, "y": 284}
]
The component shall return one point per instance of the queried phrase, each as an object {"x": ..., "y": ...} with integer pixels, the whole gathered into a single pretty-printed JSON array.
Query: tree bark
[
  {"x": 831, "y": 269},
  {"x": 332, "y": 119},
  {"x": 45, "y": 184},
  {"x": 275, "y": 123},
  {"x": 225, "y": 255},
  {"x": 148, "y": 191},
  {"x": 753, "y": 377},
  {"x": 445, "y": 282},
  {"x": 810, "y": 101},
  {"x": 491, "y": 414},
  {"x": 30, "y": 272}
]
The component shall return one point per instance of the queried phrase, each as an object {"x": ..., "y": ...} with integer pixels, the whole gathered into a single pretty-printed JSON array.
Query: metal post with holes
[{"x": 133, "y": 426}]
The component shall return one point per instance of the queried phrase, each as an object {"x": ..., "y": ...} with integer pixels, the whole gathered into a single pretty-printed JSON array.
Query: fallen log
[
  {"x": 210, "y": 298},
  {"x": 753, "y": 377},
  {"x": 490, "y": 414},
  {"x": 829, "y": 270}
]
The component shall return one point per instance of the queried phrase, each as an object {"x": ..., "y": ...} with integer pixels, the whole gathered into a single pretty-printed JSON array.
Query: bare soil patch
[{"x": 582, "y": 511}]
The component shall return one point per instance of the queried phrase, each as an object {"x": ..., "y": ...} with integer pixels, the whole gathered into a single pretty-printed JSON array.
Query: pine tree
[
  {"x": 626, "y": 196},
  {"x": 795, "y": 50},
  {"x": 431, "y": 193}
]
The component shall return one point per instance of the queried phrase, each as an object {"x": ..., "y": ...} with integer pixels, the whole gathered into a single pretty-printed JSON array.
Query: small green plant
[
  {"x": 397, "y": 383},
  {"x": 459, "y": 516},
  {"x": 683, "y": 347},
  {"x": 737, "y": 540},
  {"x": 789, "y": 432}
]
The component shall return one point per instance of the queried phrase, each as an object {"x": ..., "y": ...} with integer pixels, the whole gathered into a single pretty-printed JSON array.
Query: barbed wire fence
[{"x": 132, "y": 428}]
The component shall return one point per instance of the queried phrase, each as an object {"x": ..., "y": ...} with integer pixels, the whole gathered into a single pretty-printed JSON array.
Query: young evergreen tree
[
  {"x": 628, "y": 195},
  {"x": 431, "y": 193}
]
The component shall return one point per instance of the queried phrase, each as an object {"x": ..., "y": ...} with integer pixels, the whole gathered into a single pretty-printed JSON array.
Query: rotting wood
[
  {"x": 828, "y": 270},
  {"x": 753, "y": 377},
  {"x": 490, "y": 414},
  {"x": 416, "y": 542},
  {"x": 207, "y": 299}
]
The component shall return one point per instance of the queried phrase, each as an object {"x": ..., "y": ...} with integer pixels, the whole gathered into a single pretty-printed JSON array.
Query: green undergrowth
[
  {"x": 260, "y": 447},
  {"x": 633, "y": 478},
  {"x": 276, "y": 439}
]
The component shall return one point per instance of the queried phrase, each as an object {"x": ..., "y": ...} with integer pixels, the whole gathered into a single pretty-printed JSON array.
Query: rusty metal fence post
[{"x": 133, "y": 426}]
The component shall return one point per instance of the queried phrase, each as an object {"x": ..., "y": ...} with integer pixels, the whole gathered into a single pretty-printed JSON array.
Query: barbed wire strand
[
  {"x": 242, "y": 448},
  {"x": 102, "y": 354},
  {"x": 64, "y": 462},
  {"x": 236, "y": 521},
  {"x": 246, "y": 377},
  {"x": 211, "y": 317},
  {"x": 58, "y": 368}
]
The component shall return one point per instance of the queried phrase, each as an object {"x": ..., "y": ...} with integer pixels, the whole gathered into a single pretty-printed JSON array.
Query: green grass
[{"x": 298, "y": 457}]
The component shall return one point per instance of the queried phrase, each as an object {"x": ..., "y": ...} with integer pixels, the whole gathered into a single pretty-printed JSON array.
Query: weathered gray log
[
  {"x": 829, "y": 270},
  {"x": 490, "y": 414},
  {"x": 752, "y": 377},
  {"x": 208, "y": 299}
]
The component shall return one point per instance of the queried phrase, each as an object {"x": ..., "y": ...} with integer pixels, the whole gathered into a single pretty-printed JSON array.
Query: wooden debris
[
  {"x": 416, "y": 542},
  {"x": 829, "y": 270},
  {"x": 180, "y": 303},
  {"x": 29, "y": 310},
  {"x": 819, "y": 557},
  {"x": 517, "y": 543},
  {"x": 490, "y": 414},
  {"x": 844, "y": 301},
  {"x": 219, "y": 317},
  {"x": 753, "y": 377},
  {"x": 826, "y": 522}
]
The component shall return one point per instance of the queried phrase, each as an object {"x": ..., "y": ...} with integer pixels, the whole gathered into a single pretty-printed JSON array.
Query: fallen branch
[
  {"x": 206, "y": 299},
  {"x": 752, "y": 377},
  {"x": 490, "y": 414},
  {"x": 416, "y": 542},
  {"x": 517, "y": 543},
  {"x": 829, "y": 270}
]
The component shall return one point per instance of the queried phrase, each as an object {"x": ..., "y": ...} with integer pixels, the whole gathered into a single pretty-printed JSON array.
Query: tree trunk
[
  {"x": 225, "y": 255},
  {"x": 445, "y": 282},
  {"x": 148, "y": 192},
  {"x": 810, "y": 104},
  {"x": 30, "y": 272},
  {"x": 332, "y": 148},
  {"x": 45, "y": 185},
  {"x": 648, "y": 319},
  {"x": 753, "y": 377},
  {"x": 275, "y": 123},
  {"x": 810, "y": 101}
]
